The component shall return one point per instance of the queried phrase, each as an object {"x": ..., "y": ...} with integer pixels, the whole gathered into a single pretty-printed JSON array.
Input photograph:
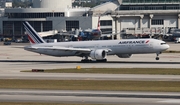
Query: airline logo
[
  {"x": 33, "y": 37},
  {"x": 134, "y": 42},
  {"x": 147, "y": 41}
]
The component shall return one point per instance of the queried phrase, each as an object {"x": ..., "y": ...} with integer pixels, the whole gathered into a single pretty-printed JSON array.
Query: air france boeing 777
[{"x": 96, "y": 50}]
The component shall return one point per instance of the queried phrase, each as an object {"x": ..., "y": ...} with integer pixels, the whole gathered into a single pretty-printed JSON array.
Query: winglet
[{"x": 33, "y": 36}]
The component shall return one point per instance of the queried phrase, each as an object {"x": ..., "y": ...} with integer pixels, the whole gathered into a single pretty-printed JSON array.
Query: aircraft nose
[{"x": 166, "y": 46}]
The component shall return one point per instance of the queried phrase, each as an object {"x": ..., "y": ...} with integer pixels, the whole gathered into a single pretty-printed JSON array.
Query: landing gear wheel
[
  {"x": 103, "y": 60},
  {"x": 157, "y": 58},
  {"x": 86, "y": 60}
]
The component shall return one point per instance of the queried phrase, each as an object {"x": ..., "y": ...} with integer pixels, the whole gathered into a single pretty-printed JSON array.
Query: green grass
[
  {"x": 160, "y": 86},
  {"x": 152, "y": 71},
  {"x": 26, "y": 103}
]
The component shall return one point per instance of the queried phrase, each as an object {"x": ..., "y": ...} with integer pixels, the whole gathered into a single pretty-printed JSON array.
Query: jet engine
[
  {"x": 124, "y": 55},
  {"x": 98, "y": 54}
]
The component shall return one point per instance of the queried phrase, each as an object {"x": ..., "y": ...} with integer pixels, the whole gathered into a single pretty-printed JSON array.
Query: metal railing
[{"x": 151, "y": 1}]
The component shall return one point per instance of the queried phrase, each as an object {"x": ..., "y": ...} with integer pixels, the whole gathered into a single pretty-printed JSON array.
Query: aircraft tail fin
[
  {"x": 99, "y": 25},
  {"x": 33, "y": 36}
]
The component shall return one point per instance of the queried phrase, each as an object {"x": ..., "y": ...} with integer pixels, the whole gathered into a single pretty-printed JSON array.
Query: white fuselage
[{"x": 129, "y": 46}]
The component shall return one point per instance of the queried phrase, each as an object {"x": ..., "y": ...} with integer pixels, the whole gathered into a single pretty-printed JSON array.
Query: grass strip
[
  {"x": 26, "y": 103},
  {"x": 159, "y": 86},
  {"x": 152, "y": 71}
]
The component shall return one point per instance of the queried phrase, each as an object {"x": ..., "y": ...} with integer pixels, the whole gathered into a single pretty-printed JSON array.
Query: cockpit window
[{"x": 163, "y": 43}]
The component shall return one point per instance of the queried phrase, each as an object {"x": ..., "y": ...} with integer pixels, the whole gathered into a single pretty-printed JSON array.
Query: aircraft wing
[
  {"x": 67, "y": 34},
  {"x": 69, "y": 49},
  {"x": 79, "y": 50},
  {"x": 61, "y": 49}
]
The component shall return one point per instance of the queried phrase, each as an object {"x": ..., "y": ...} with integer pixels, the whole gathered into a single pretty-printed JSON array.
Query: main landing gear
[
  {"x": 86, "y": 60},
  {"x": 157, "y": 55},
  {"x": 103, "y": 60}
]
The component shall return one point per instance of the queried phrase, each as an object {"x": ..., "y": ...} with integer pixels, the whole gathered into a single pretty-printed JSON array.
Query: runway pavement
[
  {"x": 13, "y": 59},
  {"x": 100, "y": 97}
]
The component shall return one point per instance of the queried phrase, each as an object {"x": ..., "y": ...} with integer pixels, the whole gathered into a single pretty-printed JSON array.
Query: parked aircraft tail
[
  {"x": 33, "y": 36},
  {"x": 99, "y": 25}
]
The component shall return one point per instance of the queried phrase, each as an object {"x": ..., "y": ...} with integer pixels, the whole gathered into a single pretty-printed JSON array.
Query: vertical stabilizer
[
  {"x": 99, "y": 26},
  {"x": 33, "y": 36}
]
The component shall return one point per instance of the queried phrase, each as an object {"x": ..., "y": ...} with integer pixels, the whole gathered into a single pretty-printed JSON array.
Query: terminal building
[{"x": 125, "y": 17}]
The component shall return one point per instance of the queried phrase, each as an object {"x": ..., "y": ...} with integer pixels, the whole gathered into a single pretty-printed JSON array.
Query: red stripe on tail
[
  {"x": 30, "y": 39},
  {"x": 99, "y": 26}
]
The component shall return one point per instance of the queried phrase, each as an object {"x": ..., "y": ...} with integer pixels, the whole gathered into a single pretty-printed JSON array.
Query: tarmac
[{"x": 14, "y": 58}]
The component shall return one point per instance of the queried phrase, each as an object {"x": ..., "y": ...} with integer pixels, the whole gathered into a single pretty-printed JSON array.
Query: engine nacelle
[
  {"x": 124, "y": 55},
  {"x": 98, "y": 54}
]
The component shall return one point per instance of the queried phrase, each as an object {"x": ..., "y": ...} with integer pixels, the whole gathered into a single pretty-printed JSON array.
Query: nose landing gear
[
  {"x": 157, "y": 55},
  {"x": 157, "y": 58}
]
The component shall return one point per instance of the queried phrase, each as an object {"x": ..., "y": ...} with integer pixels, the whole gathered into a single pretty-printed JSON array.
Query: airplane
[
  {"x": 94, "y": 33},
  {"x": 96, "y": 50},
  {"x": 90, "y": 34},
  {"x": 78, "y": 34},
  {"x": 48, "y": 33}
]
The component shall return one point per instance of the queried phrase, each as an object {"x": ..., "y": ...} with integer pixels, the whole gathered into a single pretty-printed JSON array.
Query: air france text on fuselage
[{"x": 132, "y": 42}]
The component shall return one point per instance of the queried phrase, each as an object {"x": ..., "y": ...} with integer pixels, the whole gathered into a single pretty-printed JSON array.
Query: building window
[
  {"x": 155, "y": 7},
  {"x": 8, "y": 28},
  {"x": 47, "y": 25},
  {"x": 106, "y": 22},
  {"x": 107, "y": 31},
  {"x": 70, "y": 25},
  {"x": 136, "y": 8},
  {"x": 157, "y": 22},
  {"x": 41, "y": 26},
  {"x": 16, "y": 28},
  {"x": 34, "y": 15},
  {"x": 172, "y": 7}
]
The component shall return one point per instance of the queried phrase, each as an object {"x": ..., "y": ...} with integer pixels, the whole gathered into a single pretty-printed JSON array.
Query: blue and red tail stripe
[
  {"x": 99, "y": 25},
  {"x": 33, "y": 36}
]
